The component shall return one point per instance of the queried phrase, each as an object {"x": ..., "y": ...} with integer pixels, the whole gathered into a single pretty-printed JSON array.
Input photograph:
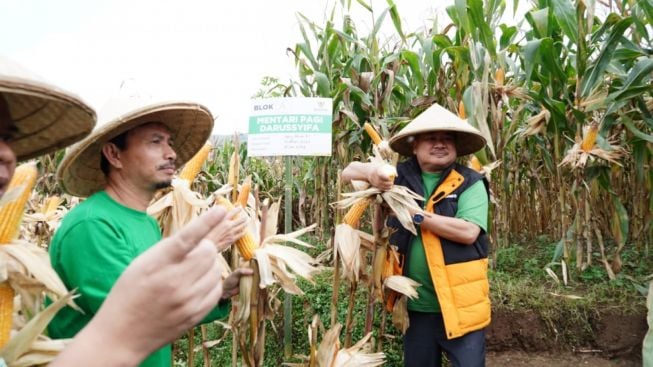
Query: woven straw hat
[
  {"x": 437, "y": 118},
  {"x": 45, "y": 118},
  {"x": 190, "y": 125}
]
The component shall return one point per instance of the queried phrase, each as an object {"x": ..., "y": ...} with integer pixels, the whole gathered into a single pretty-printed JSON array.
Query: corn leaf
[
  {"x": 596, "y": 71},
  {"x": 565, "y": 15}
]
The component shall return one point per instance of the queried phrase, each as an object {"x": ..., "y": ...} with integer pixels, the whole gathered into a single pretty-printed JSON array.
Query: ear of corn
[
  {"x": 246, "y": 245},
  {"x": 475, "y": 164},
  {"x": 371, "y": 131},
  {"x": 6, "y": 312},
  {"x": 355, "y": 213},
  {"x": 590, "y": 138},
  {"x": 11, "y": 214},
  {"x": 193, "y": 167},
  {"x": 499, "y": 77},
  {"x": 461, "y": 110},
  {"x": 51, "y": 204},
  {"x": 245, "y": 188}
]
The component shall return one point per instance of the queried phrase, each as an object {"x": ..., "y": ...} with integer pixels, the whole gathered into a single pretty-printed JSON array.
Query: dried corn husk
[
  {"x": 279, "y": 263},
  {"x": 347, "y": 242},
  {"x": 177, "y": 207},
  {"x": 578, "y": 155},
  {"x": 329, "y": 353},
  {"x": 399, "y": 198},
  {"x": 28, "y": 347},
  {"x": 400, "y": 318},
  {"x": 402, "y": 284},
  {"x": 27, "y": 269}
]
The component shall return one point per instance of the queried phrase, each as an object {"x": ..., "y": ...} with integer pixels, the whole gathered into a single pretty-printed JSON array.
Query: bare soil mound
[{"x": 526, "y": 336}]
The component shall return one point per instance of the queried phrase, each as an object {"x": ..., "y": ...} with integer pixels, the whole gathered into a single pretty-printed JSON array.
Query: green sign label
[{"x": 290, "y": 124}]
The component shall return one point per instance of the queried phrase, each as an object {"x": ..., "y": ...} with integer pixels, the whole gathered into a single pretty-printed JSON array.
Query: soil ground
[
  {"x": 525, "y": 339},
  {"x": 542, "y": 359}
]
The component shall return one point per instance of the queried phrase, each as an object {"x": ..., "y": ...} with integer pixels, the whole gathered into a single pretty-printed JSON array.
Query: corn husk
[
  {"x": 402, "y": 284},
  {"x": 329, "y": 353},
  {"x": 347, "y": 241},
  {"x": 399, "y": 198},
  {"x": 27, "y": 269},
  {"x": 282, "y": 264},
  {"x": 537, "y": 123},
  {"x": 177, "y": 207},
  {"x": 578, "y": 156},
  {"x": 400, "y": 318},
  {"x": 39, "y": 227},
  {"x": 28, "y": 347}
]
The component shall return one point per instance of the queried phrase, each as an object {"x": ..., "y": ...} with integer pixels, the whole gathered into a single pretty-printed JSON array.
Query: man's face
[
  {"x": 435, "y": 151},
  {"x": 7, "y": 156},
  {"x": 7, "y": 166},
  {"x": 149, "y": 159}
]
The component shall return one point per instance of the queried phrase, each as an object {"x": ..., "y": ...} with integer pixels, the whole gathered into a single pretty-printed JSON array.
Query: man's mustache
[{"x": 166, "y": 166}]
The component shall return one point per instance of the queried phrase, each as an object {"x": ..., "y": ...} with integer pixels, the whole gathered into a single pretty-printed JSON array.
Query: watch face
[{"x": 418, "y": 218}]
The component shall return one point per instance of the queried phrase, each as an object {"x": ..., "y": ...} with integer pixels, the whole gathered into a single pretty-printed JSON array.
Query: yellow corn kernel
[
  {"x": 371, "y": 131},
  {"x": 12, "y": 212},
  {"x": 590, "y": 138},
  {"x": 193, "y": 167},
  {"x": 6, "y": 312},
  {"x": 461, "y": 110},
  {"x": 355, "y": 213},
  {"x": 244, "y": 192},
  {"x": 499, "y": 77}
]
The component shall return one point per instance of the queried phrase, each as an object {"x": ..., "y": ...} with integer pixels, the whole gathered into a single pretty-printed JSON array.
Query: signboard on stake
[{"x": 290, "y": 127}]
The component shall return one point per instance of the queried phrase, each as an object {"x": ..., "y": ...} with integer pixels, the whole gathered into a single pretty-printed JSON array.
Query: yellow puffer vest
[{"x": 458, "y": 271}]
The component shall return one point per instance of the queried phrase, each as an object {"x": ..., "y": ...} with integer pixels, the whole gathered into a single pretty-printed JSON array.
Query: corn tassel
[
  {"x": 355, "y": 213},
  {"x": 499, "y": 77},
  {"x": 246, "y": 244},
  {"x": 11, "y": 214},
  {"x": 193, "y": 167},
  {"x": 461, "y": 110},
  {"x": 590, "y": 138},
  {"x": 371, "y": 131}
]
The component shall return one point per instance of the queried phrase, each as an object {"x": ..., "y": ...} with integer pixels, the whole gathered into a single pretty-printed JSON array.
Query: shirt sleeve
[
  {"x": 219, "y": 312},
  {"x": 473, "y": 205},
  {"x": 93, "y": 255}
]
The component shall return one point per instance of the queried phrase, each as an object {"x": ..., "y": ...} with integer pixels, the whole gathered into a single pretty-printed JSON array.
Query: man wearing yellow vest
[{"x": 448, "y": 257}]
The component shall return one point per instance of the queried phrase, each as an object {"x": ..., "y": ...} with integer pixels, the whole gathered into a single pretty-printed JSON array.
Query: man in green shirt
[
  {"x": 448, "y": 257},
  {"x": 120, "y": 166}
]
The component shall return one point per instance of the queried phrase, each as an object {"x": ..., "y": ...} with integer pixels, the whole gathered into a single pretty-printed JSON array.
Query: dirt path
[{"x": 541, "y": 359}]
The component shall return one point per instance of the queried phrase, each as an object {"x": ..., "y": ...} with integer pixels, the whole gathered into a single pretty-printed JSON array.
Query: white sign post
[{"x": 290, "y": 127}]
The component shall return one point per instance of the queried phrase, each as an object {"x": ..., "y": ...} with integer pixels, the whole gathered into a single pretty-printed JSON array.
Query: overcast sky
[{"x": 212, "y": 52}]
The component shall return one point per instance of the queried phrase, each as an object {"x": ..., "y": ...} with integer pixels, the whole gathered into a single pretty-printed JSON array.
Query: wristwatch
[{"x": 418, "y": 219}]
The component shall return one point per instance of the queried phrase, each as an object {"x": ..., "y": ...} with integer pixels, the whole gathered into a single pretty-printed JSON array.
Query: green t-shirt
[
  {"x": 472, "y": 207},
  {"x": 96, "y": 241}
]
